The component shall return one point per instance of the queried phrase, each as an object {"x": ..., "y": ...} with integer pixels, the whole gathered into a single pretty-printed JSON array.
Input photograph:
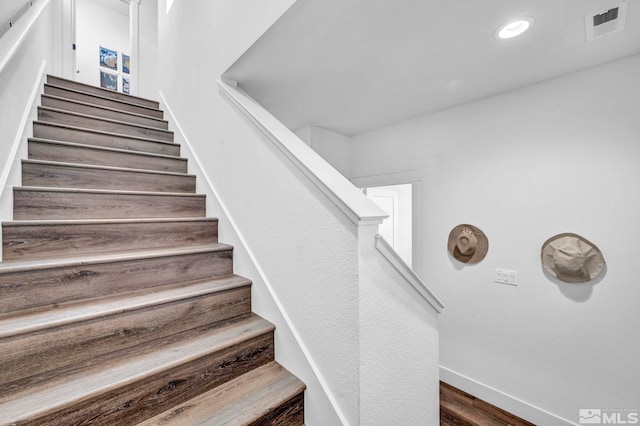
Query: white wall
[
  {"x": 398, "y": 346},
  {"x": 20, "y": 74},
  {"x": 9, "y": 10},
  {"x": 561, "y": 156},
  {"x": 148, "y": 50},
  {"x": 98, "y": 25},
  {"x": 334, "y": 147},
  {"x": 279, "y": 213}
]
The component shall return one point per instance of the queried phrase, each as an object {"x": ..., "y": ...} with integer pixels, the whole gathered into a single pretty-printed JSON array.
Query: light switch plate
[{"x": 505, "y": 276}]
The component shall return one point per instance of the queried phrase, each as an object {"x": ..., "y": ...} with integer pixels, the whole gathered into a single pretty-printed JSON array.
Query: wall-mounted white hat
[{"x": 571, "y": 258}]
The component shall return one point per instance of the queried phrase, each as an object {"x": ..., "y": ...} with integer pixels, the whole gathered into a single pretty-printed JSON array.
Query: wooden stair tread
[
  {"x": 39, "y": 202},
  {"x": 102, "y": 111},
  {"x": 106, "y": 120},
  {"x": 105, "y": 191},
  {"x": 242, "y": 400},
  {"x": 88, "y": 88},
  {"x": 13, "y": 325},
  {"x": 64, "y": 222},
  {"x": 111, "y": 168},
  {"x": 102, "y": 132},
  {"x": 110, "y": 376},
  {"x": 71, "y": 152},
  {"x": 105, "y": 108},
  {"x": 14, "y": 266},
  {"x": 107, "y": 149},
  {"x": 31, "y": 239},
  {"x": 151, "y": 112}
]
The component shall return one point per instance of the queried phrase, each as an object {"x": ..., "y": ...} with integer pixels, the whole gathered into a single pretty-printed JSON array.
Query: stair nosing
[
  {"x": 118, "y": 374},
  {"x": 101, "y": 97},
  {"x": 18, "y": 266},
  {"x": 293, "y": 387},
  {"x": 103, "y": 148},
  {"x": 17, "y": 325},
  {"x": 74, "y": 101},
  {"x": 109, "y": 120},
  {"x": 111, "y": 168},
  {"x": 103, "y": 132},
  {"x": 102, "y": 89},
  {"x": 106, "y": 191},
  {"x": 67, "y": 222}
]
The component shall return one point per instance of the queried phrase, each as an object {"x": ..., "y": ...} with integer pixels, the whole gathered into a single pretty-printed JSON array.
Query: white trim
[
  {"x": 336, "y": 187},
  {"x": 134, "y": 46},
  {"x": 16, "y": 35},
  {"x": 254, "y": 261},
  {"x": 410, "y": 277},
  {"x": 414, "y": 178},
  {"x": 387, "y": 179},
  {"x": 24, "y": 121},
  {"x": 502, "y": 400}
]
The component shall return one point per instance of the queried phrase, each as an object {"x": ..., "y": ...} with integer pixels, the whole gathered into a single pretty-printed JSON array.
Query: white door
[{"x": 395, "y": 200}]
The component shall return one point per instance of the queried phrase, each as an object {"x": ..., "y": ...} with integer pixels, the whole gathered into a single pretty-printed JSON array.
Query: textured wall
[
  {"x": 306, "y": 247},
  {"x": 17, "y": 81},
  {"x": 561, "y": 156}
]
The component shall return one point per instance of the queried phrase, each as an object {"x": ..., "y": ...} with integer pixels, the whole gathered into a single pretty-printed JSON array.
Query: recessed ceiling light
[{"x": 514, "y": 28}]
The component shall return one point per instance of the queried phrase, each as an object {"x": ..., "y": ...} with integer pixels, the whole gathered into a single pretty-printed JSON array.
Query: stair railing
[{"x": 397, "y": 312}]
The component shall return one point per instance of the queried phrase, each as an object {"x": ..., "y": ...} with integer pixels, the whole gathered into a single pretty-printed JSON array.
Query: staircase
[{"x": 118, "y": 305}]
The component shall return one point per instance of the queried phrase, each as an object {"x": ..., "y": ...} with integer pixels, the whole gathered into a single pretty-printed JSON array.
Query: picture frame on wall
[
  {"x": 126, "y": 88},
  {"x": 126, "y": 61},
  {"x": 108, "y": 80},
  {"x": 108, "y": 58}
]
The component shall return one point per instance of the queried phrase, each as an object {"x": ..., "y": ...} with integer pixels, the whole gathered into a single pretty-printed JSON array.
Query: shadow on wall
[{"x": 578, "y": 292}]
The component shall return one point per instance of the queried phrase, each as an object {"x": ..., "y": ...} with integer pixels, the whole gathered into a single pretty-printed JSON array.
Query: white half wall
[
  {"x": 306, "y": 247},
  {"x": 561, "y": 156},
  {"x": 27, "y": 52}
]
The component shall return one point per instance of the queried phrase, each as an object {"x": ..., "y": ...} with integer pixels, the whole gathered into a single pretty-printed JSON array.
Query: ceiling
[{"x": 353, "y": 66}]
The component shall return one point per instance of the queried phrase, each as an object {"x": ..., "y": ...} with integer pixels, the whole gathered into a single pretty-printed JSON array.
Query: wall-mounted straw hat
[
  {"x": 571, "y": 258},
  {"x": 468, "y": 244}
]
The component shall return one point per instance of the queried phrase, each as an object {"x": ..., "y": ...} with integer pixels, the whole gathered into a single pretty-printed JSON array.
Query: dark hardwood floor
[{"x": 458, "y": 408}]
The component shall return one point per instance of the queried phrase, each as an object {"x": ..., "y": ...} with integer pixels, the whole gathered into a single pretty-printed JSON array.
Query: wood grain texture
[
  {"x": 102, "y": 111},
  {"x": 268, "y": 395},
  {"x": 63, "y": 82},
  {"x": 28, "y": 285},
  {"x": 47, "y": 150},
  {"x": 94, "y": 99},
  {"x": 60, "y": 132},
  {"x": 144, "y": 384},
  {"x": 68, "y": 175},
  {"x": 460, "y": 408},
  {"x": 24, "y": 240},
  {"x": 117, "y": 303},
  {"x": 103, "y": 124},
  {"x": 33, "y": 203},
  {"x": 42, "y": 354}
]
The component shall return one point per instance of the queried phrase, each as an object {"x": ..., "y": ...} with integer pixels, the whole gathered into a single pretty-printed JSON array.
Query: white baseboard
[{"x": 502, "y": 400}]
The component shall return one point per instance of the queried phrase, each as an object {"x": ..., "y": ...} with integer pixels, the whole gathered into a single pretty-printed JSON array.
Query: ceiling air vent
[{"x": 606, "y": 21}]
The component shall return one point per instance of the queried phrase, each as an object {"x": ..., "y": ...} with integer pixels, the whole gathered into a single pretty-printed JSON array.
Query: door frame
[
  {"x": 69, "y": 65},
  {"x": 413, "y": 177}
]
